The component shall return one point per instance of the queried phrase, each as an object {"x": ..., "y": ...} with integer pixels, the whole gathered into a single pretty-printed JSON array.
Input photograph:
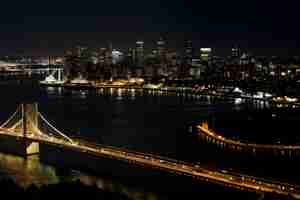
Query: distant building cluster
[
  {"x": 163, "y": 63},
  {"x": 31, "y": 60},
  {"x": 158, "y": 63}
]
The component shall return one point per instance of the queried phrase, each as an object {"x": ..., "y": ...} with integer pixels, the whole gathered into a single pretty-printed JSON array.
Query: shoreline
[{"x": 178, "y": 90}]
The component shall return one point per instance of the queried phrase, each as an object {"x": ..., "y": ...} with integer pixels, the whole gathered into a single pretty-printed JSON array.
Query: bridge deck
[
  {"x": 251, "y": 145},
  {"x": 166, "y": 164}
]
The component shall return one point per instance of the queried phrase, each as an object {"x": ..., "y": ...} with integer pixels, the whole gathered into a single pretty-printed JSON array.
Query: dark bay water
[{"x": 145, "y": 121}]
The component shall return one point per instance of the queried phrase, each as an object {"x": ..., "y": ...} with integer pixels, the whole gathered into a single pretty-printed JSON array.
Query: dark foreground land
[{"x": 77, "y": 190}]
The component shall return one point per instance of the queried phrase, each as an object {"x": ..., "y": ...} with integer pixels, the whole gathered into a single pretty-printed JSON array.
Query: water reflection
[
  {"x": 26, "y": 172},
  {"x": 132, "y": 94},
  {"x": 119, "y": 94}
]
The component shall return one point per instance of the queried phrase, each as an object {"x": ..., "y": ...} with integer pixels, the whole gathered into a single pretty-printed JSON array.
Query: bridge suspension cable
[
  {"x": 16, "y": 124},
  {"x": 59, "y": 132},
  {"x": 11, "y": 117}
]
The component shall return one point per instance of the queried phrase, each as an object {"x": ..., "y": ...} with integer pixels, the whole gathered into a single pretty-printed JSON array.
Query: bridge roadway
[
  {"x": 166, "y": 164},
  {"x": 237, "y": 143}
]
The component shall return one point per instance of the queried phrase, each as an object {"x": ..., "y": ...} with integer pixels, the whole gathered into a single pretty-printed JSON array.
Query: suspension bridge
[{"x": 32, "y": 129}]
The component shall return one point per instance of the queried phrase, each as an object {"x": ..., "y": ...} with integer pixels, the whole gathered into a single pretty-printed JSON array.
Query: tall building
[
  {"x": 102, "y": 55},
  {"x": 94, "y": 57},
  {"x": 105, "y": 56},
  {"x": 235, "y": 52},
  {"x": 205, "y": 54},
  {"x": 188, "y": 51},
  {"x": 117, "y": 56},
  {"x": 161, "y": 48},
  {"x": 131, "y": 56},
  {"x": 139, "y": 52}
]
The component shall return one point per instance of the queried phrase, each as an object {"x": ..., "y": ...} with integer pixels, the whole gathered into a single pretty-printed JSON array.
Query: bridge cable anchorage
[
  {"x": 11, "y": 117},
  {"x": 59, "y": 132}
]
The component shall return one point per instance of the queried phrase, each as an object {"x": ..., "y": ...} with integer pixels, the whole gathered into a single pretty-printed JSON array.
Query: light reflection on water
[{"x": 26, "y": 172}]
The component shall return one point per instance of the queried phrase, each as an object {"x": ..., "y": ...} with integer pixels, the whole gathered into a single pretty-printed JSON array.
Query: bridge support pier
[
  {"x": 18, "y": 146},
  {"x": 29, "y": 148}
]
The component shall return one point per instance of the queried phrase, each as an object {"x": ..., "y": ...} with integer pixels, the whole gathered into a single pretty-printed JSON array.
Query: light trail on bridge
[
  {"x": 166, "y": 164},
  {"x": 205, "y": 130},
  {"x": 29, "y": 131}
]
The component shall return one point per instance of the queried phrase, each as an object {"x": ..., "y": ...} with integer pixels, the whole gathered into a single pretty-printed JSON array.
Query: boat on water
[{"x": 50, "y": 80}]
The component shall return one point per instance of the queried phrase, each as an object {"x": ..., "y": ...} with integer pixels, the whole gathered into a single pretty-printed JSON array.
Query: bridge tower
[
  {"x": 29, "y": 117},
  {"x": 30, "y": 124},
  {"x": 26, "y": 128}
]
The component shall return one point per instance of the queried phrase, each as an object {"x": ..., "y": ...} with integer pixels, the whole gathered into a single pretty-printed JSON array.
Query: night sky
[{"x": 49, "y": 27}]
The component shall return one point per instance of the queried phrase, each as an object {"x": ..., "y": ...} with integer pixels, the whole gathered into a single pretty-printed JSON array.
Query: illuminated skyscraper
[
  {"x": 117, "y": 56},
  {"x": 235, "y": 52},
  {"x": 139, "y": 52},
  {"x": 205, "y": 54}
]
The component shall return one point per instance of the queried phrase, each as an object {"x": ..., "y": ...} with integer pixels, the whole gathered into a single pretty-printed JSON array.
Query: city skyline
[
  {"x": 160, "y": 99},
  {"x": 149, "y": 46}
]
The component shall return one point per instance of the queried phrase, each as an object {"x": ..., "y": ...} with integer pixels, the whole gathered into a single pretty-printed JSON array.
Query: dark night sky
[{"x": 42, "y": 27}]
